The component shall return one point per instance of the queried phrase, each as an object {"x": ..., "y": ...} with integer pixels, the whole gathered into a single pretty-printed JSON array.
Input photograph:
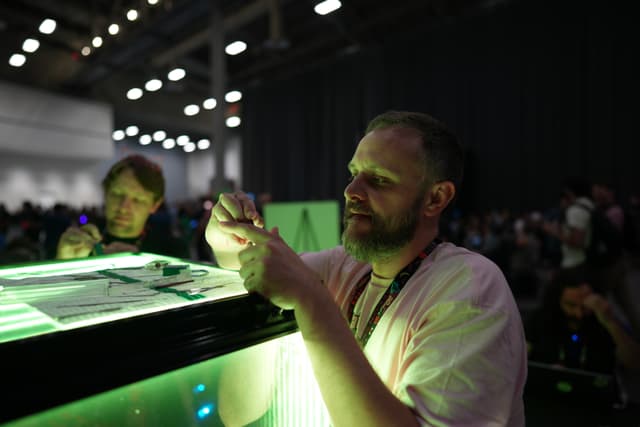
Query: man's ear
[
  {"x": 439, "y": 197},
  {"x": 156, "y": 205}
]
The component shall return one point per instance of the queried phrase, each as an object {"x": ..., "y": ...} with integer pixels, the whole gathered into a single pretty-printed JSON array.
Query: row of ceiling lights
[
  {"x": 160, "y": 136},
  {"x": 48, "y": 26}
]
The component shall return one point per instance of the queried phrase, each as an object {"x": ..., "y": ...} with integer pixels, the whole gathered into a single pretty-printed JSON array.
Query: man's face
[
  {"x": 385, "y": 197},
  {"x": 572, "y": 303},
  {"x": 128, "y": 205}
]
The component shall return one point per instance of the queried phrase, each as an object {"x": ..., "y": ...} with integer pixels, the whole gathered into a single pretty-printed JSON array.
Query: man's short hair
[
  {"x": 148, "y": 173},
  {"x": 444, "y": 157}
]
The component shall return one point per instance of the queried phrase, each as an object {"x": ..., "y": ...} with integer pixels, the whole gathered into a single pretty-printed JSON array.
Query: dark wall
[{"x": 536, "y": 90}]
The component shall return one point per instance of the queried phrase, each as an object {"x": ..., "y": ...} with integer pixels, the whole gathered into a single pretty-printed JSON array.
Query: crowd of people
[{"x": 475, "y": 277}]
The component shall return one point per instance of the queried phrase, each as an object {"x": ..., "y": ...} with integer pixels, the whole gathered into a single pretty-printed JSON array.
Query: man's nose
[
  {"x": 355, "y": 189},
  {"x": 125, "y": 203}
]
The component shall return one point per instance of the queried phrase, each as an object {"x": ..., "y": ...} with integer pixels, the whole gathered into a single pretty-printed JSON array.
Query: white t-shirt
[
  {"x": 577, "y": 217},
  {"x": 451, "y": 346}
]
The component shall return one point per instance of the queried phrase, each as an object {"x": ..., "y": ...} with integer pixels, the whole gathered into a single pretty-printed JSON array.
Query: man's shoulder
[{"x": 473, "y": 275}]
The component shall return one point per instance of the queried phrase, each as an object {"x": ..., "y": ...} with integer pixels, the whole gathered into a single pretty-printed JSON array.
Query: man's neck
[{"x": 390, "y": 267}]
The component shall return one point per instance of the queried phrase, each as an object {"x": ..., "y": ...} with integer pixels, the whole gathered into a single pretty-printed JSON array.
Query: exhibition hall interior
[{"x": 268, "y": 100}]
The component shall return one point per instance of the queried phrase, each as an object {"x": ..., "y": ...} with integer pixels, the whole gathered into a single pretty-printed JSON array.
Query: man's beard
[{"x": 386, "y": 235}]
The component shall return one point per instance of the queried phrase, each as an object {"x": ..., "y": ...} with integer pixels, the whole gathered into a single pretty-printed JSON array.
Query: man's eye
[{"x": 379, "y": 180}]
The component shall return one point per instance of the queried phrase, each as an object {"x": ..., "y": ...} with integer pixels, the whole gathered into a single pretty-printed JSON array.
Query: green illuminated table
[{"x": 147, "y": 340}]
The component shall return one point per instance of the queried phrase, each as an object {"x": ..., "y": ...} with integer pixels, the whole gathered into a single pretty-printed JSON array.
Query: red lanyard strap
[{"x": 389, "y": 296}]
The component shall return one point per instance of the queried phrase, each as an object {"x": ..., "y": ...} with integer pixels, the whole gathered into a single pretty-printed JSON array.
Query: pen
[
  {"x": 167, "y": 285},
  {"x": 98, "y": 249}
]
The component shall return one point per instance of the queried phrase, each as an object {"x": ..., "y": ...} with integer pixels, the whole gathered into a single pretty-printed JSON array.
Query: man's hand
[
  {"x": 600, "y": 306},
  {"x": 231, "y": 207},
  {"x": 78, "y": 242},
  {"x": 271, "y": 268}
]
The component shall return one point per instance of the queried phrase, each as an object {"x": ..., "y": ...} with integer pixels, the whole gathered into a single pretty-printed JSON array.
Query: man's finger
[
  {"x": 232, "y": 204},
  {"x": 92, "y": 231},
  {"x": 246, "y": 231}
]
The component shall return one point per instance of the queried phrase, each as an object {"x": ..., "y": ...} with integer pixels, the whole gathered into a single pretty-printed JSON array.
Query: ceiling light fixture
[
  {"x": 209, "y": 103},
  {"x": 132, "y": 130},
  {"x": 145, "y": 139},
  {"x": 118, "y": 135},
  {"x": 159, "y": 135},
  {"x": 30, "y": 45},
  {"x": 235, "y": 48},
  {"x": 203, "y": 144},
  {"x": 233, "y": 121},
  {"x": 17, "y": 60},
  {"x": 47, "y": 26},
  {"x": 134, "y": 93},
  {"x": 153, "y": 85},
  {"x": 233, "y": 96},
  {"x": 176, "y": 74},
  {"x": 182, "y": 140},
  {"x": 191, "y": 110},
  {"x": 113, "y": 29},
  {"x": 132, "y": 15},
  {"x": 85, "y": 51},
  {"x": 189, "y": 147},
  {"x": 97, "y": 41},
  {"x": 168, "y": 143},
  {"x": 327, "y": 6}
]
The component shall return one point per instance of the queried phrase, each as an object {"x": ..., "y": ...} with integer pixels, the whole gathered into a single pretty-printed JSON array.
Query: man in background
[{"x": 133, "y": 190}]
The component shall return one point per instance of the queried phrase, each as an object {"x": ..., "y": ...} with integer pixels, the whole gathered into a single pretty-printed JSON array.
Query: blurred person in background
[{"x": 133, "y": 191}]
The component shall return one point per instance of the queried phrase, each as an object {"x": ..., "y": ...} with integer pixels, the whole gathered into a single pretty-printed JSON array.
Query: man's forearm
[{"x": 351, "y": 389}]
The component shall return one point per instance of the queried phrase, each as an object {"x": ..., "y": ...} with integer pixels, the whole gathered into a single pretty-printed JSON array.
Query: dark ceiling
[{"x": 283, "y": 37}]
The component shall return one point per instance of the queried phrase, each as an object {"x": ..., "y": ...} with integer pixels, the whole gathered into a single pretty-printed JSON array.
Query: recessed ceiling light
[
  {"x": 47, "y": 26},
  {"x": 97, "y": 41},
  {"x": 132, "y": 130},
  {"x": 145, "y": 139},
  {"x": 191, "y": 110},
  {"x": 30, "y": 45},
  {"x": 233, "y": 121},
  {"x": 327, "y": 6},
  {"x": 176, "y": 74},
  {"x": 168, "y": 143},
  {"x": 118, "y": 135},
  {"x": 235, "y": 48},
  {"x": 203, "y": 144},
  {"x": 134, "y": 93},
  {"x": 233, "y": 96},
  {"x": 159, "y": 135},
  {"x": 113, "y": 29},
  {"x": 85, "y": 51},
  {"x": 209, "y": 104},
  {"x": 153, "y": 85},
  {"x": 17, "y": 60},
  {"x": 132, "y": 14}
]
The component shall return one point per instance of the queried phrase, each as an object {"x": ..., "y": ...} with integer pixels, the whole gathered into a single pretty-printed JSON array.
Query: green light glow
[
  {"x": 190, "y": 396},
  {"x": 564, "y": 387},
  {"x": 82, "y": 265}
]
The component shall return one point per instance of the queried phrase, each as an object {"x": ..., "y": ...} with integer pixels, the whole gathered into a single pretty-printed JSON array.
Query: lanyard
[{"x": 389, "y": 296}]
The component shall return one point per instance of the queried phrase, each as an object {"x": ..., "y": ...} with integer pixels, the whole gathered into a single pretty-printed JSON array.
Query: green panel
[
  {"x": 270, "y": 384},
  {"x": 305, "y": 226}
]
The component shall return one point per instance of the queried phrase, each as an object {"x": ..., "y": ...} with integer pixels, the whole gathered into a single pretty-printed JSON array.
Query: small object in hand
[{"x": 98, "y": 249}]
